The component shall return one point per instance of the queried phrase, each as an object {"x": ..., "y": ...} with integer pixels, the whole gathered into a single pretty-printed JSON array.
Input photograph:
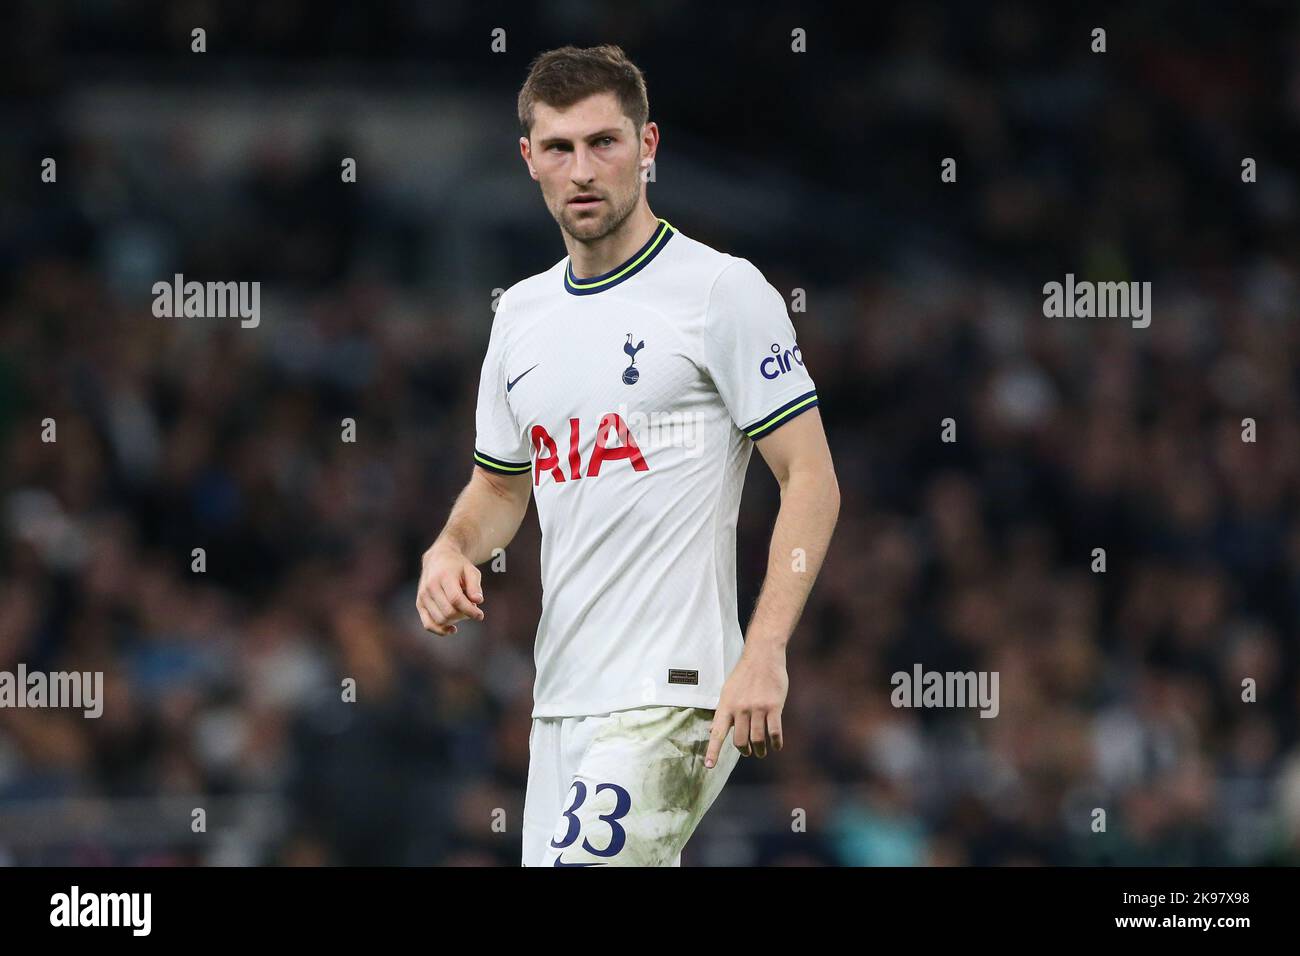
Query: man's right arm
[{"x": 486, "y": 516}]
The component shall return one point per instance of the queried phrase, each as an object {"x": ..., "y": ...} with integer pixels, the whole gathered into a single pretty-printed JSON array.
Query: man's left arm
[{"x": 754, "y": 695}]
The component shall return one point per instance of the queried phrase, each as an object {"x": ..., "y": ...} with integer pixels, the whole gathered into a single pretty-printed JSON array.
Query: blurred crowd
[{"x": 1120, "y": 689}]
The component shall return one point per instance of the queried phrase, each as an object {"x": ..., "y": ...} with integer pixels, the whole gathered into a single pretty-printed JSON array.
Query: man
[{"x": 625, "y": 388}]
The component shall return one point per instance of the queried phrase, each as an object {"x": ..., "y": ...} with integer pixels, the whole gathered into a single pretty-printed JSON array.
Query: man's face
[{"x": 588, "y": 160}]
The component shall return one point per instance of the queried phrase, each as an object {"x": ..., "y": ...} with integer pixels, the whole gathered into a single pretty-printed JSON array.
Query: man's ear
[
  {"x": 654, "y": 129},
  {"x": 526, "y": 151}
]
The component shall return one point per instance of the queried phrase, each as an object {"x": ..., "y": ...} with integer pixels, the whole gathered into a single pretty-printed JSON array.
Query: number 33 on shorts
[{"x": 571, "y": 828}]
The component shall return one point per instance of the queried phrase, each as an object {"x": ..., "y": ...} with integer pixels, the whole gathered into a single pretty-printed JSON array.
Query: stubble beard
[{"x": 595, "y": 228}]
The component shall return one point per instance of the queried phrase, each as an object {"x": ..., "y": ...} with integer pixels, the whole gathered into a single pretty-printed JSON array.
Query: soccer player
[{"x": 624, "y": 388}]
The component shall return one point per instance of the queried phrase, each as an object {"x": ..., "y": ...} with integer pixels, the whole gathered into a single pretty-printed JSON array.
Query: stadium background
[{"x": 1118, "y": 690}]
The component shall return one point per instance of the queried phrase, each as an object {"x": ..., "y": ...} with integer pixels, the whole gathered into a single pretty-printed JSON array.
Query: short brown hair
[{"x": 559, "y": 78}]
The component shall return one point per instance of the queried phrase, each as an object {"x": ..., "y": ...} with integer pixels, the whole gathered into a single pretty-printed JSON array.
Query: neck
[{"x": 601, "y": 255}]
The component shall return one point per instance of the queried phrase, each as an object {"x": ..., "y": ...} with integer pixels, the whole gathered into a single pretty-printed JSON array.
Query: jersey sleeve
[
  {"x": 499, "y": 444},
  {"x": 751, "y": 352}
]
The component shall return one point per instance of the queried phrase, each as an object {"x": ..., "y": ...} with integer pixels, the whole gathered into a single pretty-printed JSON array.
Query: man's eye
[{"x": 605, "y": 139}]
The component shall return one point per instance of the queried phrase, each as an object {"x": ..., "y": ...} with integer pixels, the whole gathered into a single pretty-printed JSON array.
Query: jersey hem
[{"x": 613, "y": 705}]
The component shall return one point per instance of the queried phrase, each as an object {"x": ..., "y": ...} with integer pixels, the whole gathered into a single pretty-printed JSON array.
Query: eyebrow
[{"x": 555, "y": 140}]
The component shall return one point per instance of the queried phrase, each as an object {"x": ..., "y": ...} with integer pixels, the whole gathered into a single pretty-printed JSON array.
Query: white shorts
[{"x": 620, "y": 789}]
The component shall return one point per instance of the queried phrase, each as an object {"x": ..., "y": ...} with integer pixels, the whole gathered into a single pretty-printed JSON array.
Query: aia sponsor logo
[{"x": 546, "y": 454}]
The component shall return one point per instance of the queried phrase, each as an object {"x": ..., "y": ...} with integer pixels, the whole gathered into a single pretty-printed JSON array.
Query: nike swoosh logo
[
  {"x": 510, "y": 385},
  {"x": 559, "y": 860}
]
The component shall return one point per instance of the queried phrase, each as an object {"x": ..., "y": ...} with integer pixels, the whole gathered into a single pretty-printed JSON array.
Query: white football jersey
[{"x": 632, "y": 400}]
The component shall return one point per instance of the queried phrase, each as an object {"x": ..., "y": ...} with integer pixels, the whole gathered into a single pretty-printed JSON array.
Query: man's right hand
[{"x": 451, "y": 590}]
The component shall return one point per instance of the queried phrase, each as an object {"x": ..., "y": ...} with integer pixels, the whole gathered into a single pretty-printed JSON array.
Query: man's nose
[{"x": 581, "y": 173}]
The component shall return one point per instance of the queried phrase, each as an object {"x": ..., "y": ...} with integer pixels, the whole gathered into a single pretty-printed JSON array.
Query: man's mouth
[{"x": 584, "y": 200}]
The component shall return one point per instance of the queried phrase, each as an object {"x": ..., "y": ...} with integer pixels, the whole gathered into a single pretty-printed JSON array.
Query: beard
[{"x": 590, "y": 228}]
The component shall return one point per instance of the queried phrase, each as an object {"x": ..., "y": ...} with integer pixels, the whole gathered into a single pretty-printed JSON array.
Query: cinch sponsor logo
[
  {"x": 546, "y": 457},
  {"x": 102, "y": 909},
  {"x": 779, "y": 362}
]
